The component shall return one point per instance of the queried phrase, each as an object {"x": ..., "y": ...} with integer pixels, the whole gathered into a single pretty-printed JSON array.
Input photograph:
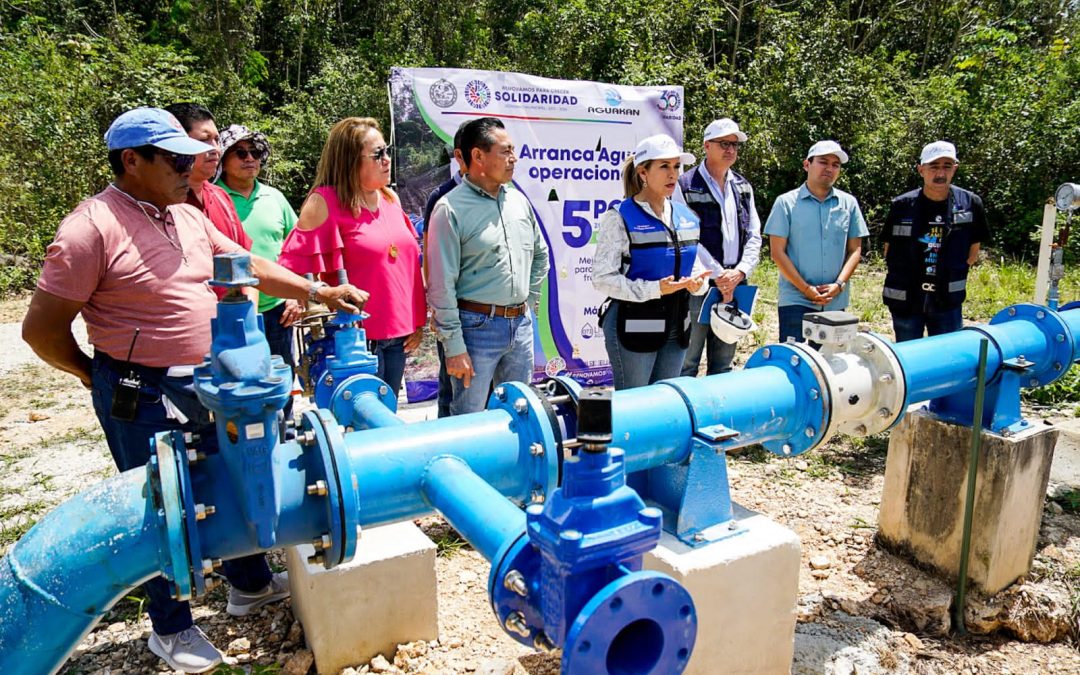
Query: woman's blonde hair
[
  {"x": 631, "y": 179},
  {"x": 339, "y": 165}
]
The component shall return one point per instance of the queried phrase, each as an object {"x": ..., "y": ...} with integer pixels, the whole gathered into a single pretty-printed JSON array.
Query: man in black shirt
[{"x": 931, "y": 236}]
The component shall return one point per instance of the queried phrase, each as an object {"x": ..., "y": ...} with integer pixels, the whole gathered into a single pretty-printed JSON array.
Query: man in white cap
[
  {"x": 730, "y": 232},
  {"x": 134, "y": 260},
  {"x": 932, "y": 236},
  {"x": 815, "y": 239}
]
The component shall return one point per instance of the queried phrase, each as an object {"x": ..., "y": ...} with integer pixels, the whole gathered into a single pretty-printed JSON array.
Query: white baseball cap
[
  {"x": 827, "y": 148},
  {"x": 660, "y": 146},
  {"x": 937, "y": 150},
  {"x": 723, "y": 127}
]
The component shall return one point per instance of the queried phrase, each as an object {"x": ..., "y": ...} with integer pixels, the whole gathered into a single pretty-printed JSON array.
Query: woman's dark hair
[
  {"x": 117, "y": 165},
  {"x": 479, "y": 133},
  {"x": 189, "y": 114}
]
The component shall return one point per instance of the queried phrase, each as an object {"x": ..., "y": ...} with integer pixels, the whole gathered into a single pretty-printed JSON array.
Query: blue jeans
[
  {"x": 791, "y": 317},
  {"x": 911, "y": 326},
  {"x": 720, "y": 353},
  {"x": 637, "y": 369},
  {"x": 391, "y": 355},
  {"x": 501, "y": 350},
  {"x": 280, "y": 339},
  {"x": 130, "y": 444}
]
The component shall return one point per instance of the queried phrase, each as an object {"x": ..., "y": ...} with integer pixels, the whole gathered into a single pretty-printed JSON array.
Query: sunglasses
[
  {"x": 179, "y": 163},
  {"x": 729, "y": 145},
  {"x": 244, "y": 153},
  {"x": 382, "y": 153}
]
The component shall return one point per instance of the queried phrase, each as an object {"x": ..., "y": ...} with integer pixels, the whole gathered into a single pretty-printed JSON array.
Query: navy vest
[
  {"x": 903, "y": 289},
  {"x": 699, "y": 197},
  {"x": 654, "y": 253}
]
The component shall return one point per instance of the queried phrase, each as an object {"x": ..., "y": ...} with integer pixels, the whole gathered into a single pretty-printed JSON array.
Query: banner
[{"x": 571, "y": 139}]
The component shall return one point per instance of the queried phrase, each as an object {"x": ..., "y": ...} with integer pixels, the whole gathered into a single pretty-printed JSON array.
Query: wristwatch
[
  {"x": 841, "y": 284},
  {"x": 313, "y": 291}
]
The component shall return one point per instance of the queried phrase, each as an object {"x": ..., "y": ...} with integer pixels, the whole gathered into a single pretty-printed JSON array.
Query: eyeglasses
[
  {"x": 244, "y": 153},
  {"x": 382, "y": 153},
  {"x": 729, "y": 145},
  {"x": 179, "y": 163}
]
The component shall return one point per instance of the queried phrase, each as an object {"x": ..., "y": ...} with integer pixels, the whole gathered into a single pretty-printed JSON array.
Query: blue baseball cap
[{"x": 152, "y": 126}]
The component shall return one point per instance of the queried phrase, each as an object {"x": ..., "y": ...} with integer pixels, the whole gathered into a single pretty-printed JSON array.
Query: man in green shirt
[
  {"x": 486, "y": 262},
  {"x": 267, "y": 218}
]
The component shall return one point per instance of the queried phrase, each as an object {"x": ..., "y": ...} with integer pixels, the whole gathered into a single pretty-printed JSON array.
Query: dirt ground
[{"x": 861, "y": 610}]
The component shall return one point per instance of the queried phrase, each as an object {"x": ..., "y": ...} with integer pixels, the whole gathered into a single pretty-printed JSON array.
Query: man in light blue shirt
[
  {"x": 487, "y": 260},
  {"x": 815, "y": 239}
]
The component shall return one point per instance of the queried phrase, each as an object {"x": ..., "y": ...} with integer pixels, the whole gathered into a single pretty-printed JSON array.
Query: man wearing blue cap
[
  {"x": 932, "y": 237},
  {"x": 815, "y": 239},
  {"x": 134, "y": 260}
]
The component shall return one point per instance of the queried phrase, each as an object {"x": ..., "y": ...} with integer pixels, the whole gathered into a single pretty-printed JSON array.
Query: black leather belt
[{"x": 507, "y": 312}]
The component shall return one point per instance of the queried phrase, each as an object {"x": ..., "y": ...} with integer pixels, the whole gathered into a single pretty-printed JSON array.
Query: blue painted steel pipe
[
  {"x": 479, "y": 512},
  {"x": 369, "y": 412},
  {"x": 393, "y": 463},
  {"x": 57, "y": 581}
]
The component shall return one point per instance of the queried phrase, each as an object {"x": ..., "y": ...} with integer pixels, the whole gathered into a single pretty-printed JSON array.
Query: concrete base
[
  {"x": 745, "y": 589},
  {"x": 385, "y": 596},
  {"x": 922, "y": 505}
]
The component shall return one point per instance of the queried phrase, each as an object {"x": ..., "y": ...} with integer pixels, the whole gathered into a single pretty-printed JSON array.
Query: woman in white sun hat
[{"x": 645, "y": 257}]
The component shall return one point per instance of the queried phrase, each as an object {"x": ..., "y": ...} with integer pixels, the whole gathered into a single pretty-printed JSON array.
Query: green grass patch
[
  {"x": 448, "y": 543},
  {"x": 1069, "y": 501}
]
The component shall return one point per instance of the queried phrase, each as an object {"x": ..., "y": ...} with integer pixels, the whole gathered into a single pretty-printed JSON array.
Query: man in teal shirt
[
  {"x": 815, "y": 239},
  {"x": 267, "y": 218},
  {"x": 486, "y": 262}
]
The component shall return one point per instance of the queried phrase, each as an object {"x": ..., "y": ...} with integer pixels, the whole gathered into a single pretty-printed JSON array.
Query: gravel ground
[{"x": 861, "y": 610}]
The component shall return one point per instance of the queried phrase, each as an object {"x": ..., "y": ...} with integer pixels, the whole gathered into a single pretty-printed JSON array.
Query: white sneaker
[
  {"x": 189, "y": 650},
  {"x": 241, "y": 603}
]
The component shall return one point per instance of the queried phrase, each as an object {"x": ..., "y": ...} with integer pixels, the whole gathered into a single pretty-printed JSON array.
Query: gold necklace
[
  {"x": 363, "y": 202},
  {"x": 163, "y": 231}
]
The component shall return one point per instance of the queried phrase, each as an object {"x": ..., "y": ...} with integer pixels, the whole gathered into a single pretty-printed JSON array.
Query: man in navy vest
[
  {"x": 932, "y": 236},
  {"x": 730, "y": 232}
]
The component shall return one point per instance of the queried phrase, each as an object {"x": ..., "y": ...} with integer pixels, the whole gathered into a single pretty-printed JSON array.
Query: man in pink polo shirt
[{"x": 135, "y": 258}]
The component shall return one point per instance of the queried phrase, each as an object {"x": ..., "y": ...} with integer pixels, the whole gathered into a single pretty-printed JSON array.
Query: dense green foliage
[{"x": 999, "y": 78}]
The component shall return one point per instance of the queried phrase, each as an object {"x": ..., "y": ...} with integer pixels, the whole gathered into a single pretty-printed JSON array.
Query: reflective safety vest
[
  {"x": 906, "y": 286},
  {"x": 657, "y": 251},
  {"x": 700, "y": 199}
]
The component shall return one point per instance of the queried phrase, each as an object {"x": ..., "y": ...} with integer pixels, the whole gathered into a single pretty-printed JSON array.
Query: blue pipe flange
[
  {"x": 867, "y": 386},
  {"x": 338, "y": 486},
  {"x": 200, "y": 569},
  {"x": 514, "y": 589},
  {"x": 805, "y": 369},
  {"x": 164, "y": 481},
  {"x": 644, "y": 622},
  {"x": 341, "y": 403},
  {"x": 535, "y": 437},
  {"x": 1059, "y": 341}
]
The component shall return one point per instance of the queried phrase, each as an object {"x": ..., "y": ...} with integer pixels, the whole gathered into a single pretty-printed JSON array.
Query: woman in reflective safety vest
[{"x": 645, "y": 254}]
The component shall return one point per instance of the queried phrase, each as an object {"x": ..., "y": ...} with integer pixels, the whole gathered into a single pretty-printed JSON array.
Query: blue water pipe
[{"x": 193, "y": 505}]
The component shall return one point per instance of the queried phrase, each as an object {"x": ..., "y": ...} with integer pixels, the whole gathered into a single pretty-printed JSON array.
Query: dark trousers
[
  {"x": 933, "y": 321},
  {"x": 280, "y": 340},
  {"x": 131, "y": 444},
  {"x": 446, "y": 388}
]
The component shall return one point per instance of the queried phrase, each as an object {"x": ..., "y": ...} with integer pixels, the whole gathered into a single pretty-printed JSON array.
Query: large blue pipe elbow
[{"x": 59, "y": 579}]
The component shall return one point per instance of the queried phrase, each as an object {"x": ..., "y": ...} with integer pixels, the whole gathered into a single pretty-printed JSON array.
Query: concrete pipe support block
[
  {"x": 745, "y": 589},
  {"x": 383, "y": 597},
  {"x": 922, "y": 504}
]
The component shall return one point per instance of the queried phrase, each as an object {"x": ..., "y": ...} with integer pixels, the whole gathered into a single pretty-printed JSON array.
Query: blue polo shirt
[{"x": 817, "y": 232}]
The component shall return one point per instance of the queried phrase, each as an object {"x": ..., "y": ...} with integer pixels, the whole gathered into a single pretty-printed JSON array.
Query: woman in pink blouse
[{"x": 351, "y": 220}]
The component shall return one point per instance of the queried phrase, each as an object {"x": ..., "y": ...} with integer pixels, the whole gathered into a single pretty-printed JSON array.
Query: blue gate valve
[
  {"x": 246, "y": 389},
  {"x": 576, "y": 580},
  {"x": 350, "y": 356}
]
